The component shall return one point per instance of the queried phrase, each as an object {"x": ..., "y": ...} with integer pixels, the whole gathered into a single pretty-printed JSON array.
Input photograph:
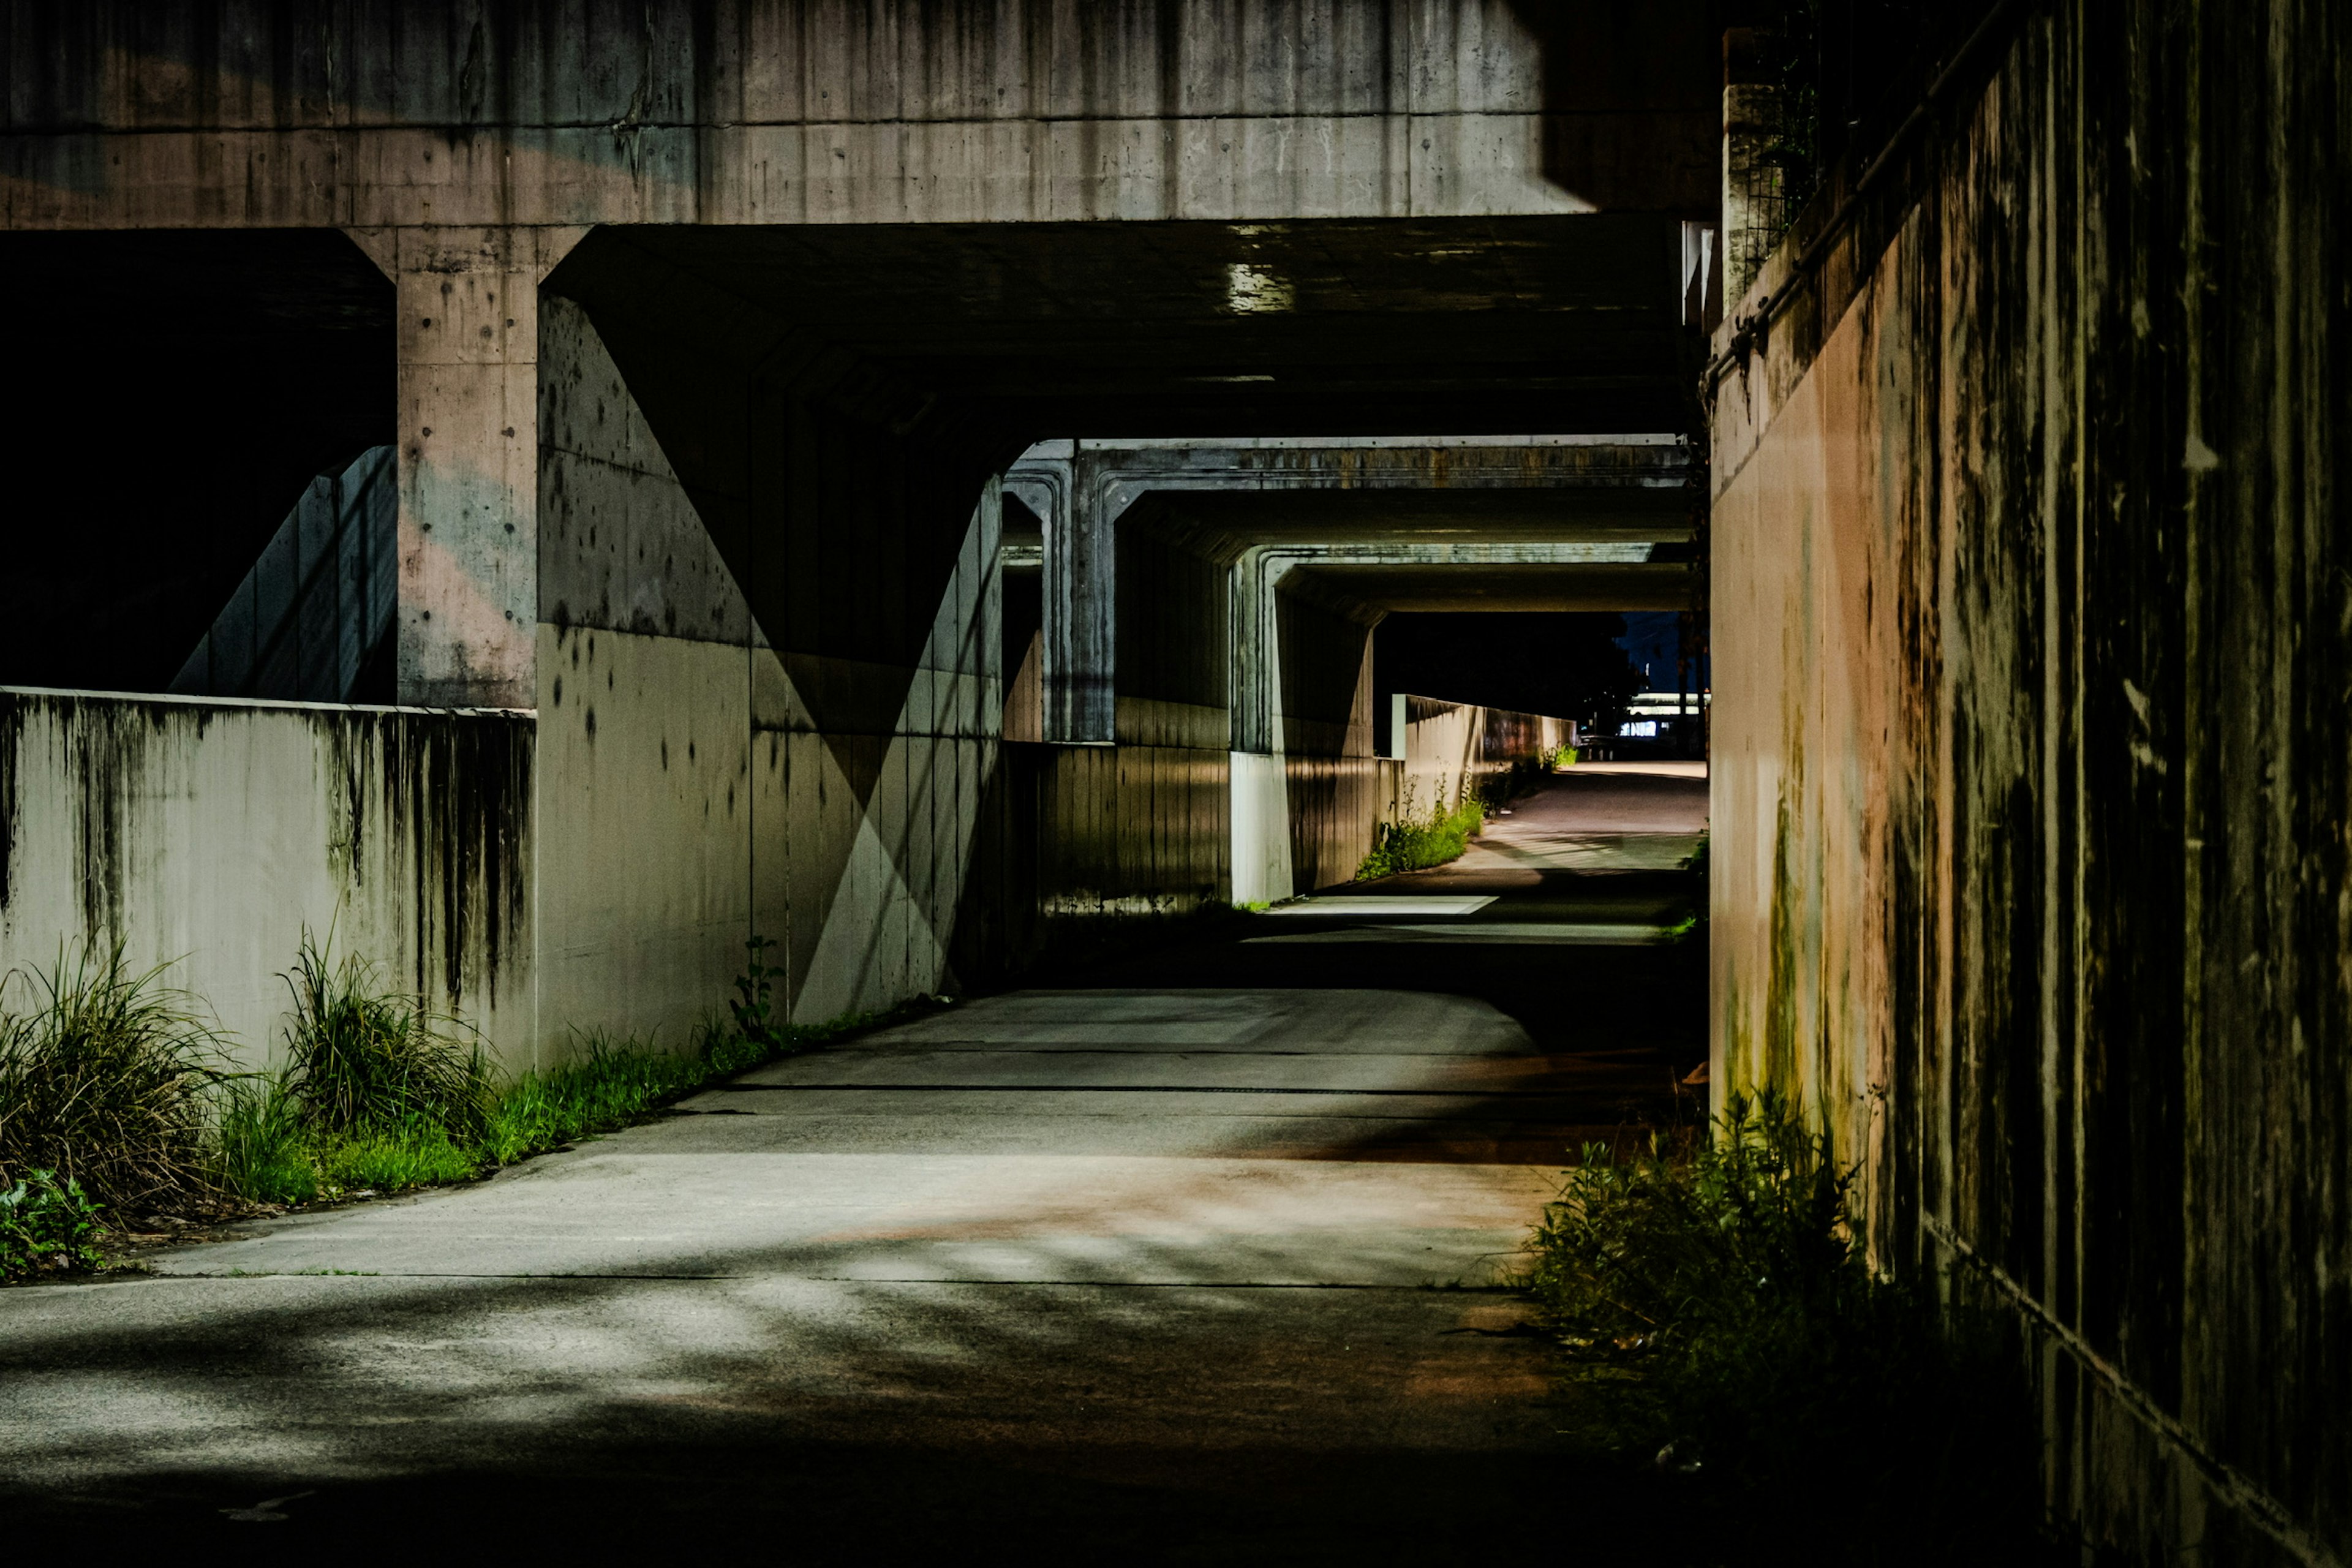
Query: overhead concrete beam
[
  {"x": 442, "y": 112},
  {"x": 1292, "y": 499}
]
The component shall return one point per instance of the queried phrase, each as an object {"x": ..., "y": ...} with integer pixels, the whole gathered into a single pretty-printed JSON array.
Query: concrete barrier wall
[
  {"x": 1453, "y": 750},
  {"x": 2031, "y": 744},
  {"x": 1129, "y": 830},
  {"x": 208, "y": 835}
]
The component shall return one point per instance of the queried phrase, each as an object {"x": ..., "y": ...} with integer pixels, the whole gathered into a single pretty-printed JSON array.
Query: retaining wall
[{"x": 2033, "y": 741}]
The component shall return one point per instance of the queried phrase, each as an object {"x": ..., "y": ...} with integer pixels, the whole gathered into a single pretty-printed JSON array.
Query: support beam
[
  {"x": 1412, "y": 501},
  {"x": 468, "y": 457}
]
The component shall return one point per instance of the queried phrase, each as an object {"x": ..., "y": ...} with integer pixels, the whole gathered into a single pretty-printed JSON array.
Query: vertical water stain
[
  {"x": 440, "y": 803},
  {"x": 456, "y": 802},
  {"x": 12, "y": 739}
]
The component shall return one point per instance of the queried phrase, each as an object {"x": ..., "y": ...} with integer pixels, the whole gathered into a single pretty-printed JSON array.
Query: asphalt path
[{"x": 1191, "y": 1258}]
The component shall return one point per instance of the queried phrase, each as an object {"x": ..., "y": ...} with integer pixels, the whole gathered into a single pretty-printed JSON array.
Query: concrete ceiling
[{"x": 1363, "y": 328}]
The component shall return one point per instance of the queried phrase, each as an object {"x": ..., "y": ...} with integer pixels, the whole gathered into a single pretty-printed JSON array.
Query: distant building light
[{"x": 1647, "y": 727}]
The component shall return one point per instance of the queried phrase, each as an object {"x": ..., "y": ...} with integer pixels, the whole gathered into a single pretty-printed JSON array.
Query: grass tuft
[
  {"x": 104, "y": 1081},
  {"x": 265, "y": 1152},
  {"x": 363, "y": 1060},
  {"x": 1718, "y": 1319}
]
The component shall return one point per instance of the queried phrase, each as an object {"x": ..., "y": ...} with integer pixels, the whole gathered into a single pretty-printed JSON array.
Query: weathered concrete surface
[
  {"x": 466, "y": 326},
  {"x": 777, "y": 112},
  {"x": 208, "y": 835},
  {"x": 1181, "y": 1239},
  {"x": 699, "y": 786},
  {"x": 2030, "y": 738}
]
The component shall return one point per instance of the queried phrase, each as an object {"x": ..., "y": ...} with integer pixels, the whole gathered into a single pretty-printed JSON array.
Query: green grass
[
  {"x": 1417, "y": 846},
  {"x": 413, "y": 1154},
  {"x": 263, "y": 1150},
  {"x": 612, "y": 1086},
  {"x": 1718, "y": 1320},
  {"x": 270, "y": 1150},
  {"x": 112, "y": 1094}
]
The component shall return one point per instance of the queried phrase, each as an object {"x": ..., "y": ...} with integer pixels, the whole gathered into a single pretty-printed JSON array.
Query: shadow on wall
[
  {"x": 312, "y": 622},
  {"x": 1633, "y": 103}
]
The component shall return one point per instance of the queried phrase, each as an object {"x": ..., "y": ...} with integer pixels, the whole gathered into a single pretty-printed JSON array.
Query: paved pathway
[{"x": 1179, "y": 1261}]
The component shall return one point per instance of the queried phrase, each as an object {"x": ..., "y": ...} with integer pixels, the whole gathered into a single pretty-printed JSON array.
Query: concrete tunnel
[{"x": 555, "y": 491}]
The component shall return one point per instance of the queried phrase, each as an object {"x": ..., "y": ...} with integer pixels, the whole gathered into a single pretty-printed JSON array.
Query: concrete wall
[
  {"x": 645, "y": 668},
  {"x": 693, "y": 796},
  {"x": 1453, "y": 751},
  {"x": 2030, "y": 803},
  {"x": 597, "y": 866},
  {"x": 1336, "y": 790},
  {"x": 784, "y": 111},
  {"x": 207, "y": 834}
]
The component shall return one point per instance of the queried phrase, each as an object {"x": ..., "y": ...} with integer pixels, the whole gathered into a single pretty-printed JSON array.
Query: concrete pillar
[
  {"x": 1258, "y": 802},
  {"x": 468, "y": 457},
  {"x": 1080, "y": 588},
  {"x": 1254, "y": 668}
]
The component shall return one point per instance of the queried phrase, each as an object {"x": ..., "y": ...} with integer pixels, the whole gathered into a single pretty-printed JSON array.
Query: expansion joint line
[{"x": 2217, "y": 1473}]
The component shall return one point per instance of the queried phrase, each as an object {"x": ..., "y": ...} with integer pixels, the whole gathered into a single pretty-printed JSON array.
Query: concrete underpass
[{"x": 1011, "y": 502}]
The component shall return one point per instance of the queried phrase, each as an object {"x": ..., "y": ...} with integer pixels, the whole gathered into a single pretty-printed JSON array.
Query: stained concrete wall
[
  {"x": 2031, "y": 805},
  {"x": 644, "y": 666},
  {"x": 693, "y": 796},
  {"x": 208, "y": 834},
  {"x": 122, "y": 114}
]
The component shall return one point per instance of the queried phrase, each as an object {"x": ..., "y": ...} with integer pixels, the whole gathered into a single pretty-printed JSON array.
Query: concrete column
[
  {"x": 1258, "y": 802},
  {"x": 1081, "y": 589},
  {"x": 1254, "y": 668},
  {"x": 468, "y": 457}
]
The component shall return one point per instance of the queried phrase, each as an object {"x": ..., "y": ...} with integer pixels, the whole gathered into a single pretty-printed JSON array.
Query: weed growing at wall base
[
  {"x": 112, "y": 1096},
  {"x": 265, "y": 1152},
  {"x": 1417, "y": 846},
  {"x": 1718, "y": 1321},
  {"x": 375, "y": 1098},
  {"x": 45, "y": 1223},
  {"x": 361, "y": 1061}
]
